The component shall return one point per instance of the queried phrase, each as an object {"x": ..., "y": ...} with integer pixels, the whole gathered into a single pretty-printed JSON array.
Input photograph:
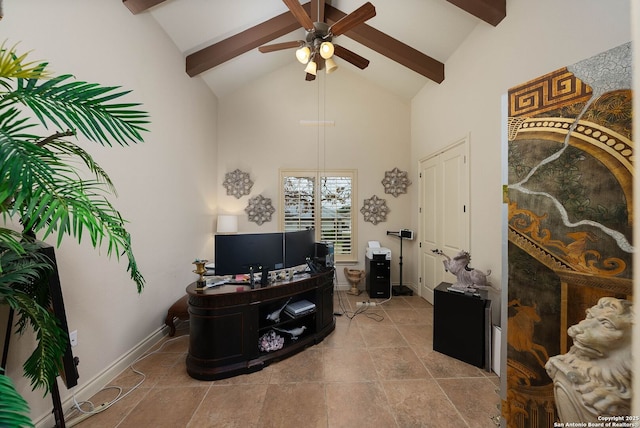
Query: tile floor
[{"x": 377, "y": 369}]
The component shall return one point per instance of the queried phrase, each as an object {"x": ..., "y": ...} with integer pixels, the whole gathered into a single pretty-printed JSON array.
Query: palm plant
[{"x": 44, "y": 188}]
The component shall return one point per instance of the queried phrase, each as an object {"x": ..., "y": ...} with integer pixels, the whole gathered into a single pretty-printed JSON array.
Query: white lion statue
[{"x": 593, "y": 379}]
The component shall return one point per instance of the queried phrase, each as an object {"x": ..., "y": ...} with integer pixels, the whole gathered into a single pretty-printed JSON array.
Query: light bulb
[
  {"x": 326, "y": 50},
  {"x": 331, "y": 65},
  {"x": 303, "y": 54}
]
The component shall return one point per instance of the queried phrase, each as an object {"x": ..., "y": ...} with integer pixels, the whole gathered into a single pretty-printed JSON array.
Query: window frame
[{"x": 317, "y": 175}]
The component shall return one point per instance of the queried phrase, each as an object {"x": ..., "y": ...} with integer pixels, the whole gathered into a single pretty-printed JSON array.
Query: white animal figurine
[
  {"x": 468, "y": 279},
  {"x": 275, "y": 315},
  {"x": 294, "y": 332}
]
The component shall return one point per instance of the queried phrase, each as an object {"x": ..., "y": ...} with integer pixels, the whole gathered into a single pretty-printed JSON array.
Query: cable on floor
[{"x": 93, "y": 409}]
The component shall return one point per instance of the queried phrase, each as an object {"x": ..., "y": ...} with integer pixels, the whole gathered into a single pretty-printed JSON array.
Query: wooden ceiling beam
[
  {"x": 490, "y": 11},
  {"x": 229, "y": 48},
  {"x": 391, "y": 48},
  {"x": 139, "y": 6}
]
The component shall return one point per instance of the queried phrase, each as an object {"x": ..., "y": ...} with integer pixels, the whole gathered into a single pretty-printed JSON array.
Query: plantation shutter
[
  {"x": 299, "y": 203},
  {"x": 323, "y": 201},
  {"x": 335, "y": 218}
]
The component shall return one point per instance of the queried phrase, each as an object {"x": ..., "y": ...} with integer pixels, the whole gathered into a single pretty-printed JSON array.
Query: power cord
[{"x": 93, "y": 409}]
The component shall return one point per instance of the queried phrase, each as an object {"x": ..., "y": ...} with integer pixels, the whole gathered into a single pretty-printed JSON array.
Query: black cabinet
[
  {"x": 462, "y": 326},
  {"x": 378, "y": 282}
]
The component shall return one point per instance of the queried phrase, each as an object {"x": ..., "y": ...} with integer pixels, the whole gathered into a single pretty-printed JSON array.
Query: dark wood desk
[{"x": 227, "y": 321}]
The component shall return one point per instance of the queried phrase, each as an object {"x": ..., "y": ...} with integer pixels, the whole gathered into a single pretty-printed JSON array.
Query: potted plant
[{"x": 44, "y": 188}]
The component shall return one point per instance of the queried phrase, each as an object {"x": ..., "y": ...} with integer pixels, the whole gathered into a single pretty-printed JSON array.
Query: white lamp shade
[
  {"x": 227, "y": 224},
  {"x": 311, "y": 68},
  {"x": 303, "y": 54},
  {"x": 331, "y": 65},
  {"x": 326, "y": 50}
]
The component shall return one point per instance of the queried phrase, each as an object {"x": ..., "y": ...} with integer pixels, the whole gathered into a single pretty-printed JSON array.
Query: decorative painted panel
[{"x": 570, "y": 216}]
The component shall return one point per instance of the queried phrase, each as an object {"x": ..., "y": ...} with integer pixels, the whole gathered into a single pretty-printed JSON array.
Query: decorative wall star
[
  {"x": 375, "y": 210},
  {"x": 259, "y": 209},
  {"x": 396, "y": 182},
  {"x": 237, "y": 183}
]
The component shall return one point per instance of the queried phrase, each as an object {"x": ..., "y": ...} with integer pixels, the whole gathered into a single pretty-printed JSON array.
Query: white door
[{"x": 444, "y": 213}]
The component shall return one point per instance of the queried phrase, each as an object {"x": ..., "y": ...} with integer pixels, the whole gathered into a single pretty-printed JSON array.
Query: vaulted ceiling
[{"x": 407, "y": 42}]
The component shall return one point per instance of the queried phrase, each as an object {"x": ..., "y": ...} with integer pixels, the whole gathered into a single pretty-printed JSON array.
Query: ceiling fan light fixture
[
  {"x": 331, "y": 65},
  {"x": 303, "y": 54},
  {"x": 312, "y": 68},
  {"x": 326, "y": 50}
]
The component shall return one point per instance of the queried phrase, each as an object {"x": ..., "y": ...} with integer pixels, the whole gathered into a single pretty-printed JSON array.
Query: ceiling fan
[{"x": 317, "y": 50}]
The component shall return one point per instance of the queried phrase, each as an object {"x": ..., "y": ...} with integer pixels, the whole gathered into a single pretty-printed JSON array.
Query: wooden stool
[{"x": 180, "y": 310}]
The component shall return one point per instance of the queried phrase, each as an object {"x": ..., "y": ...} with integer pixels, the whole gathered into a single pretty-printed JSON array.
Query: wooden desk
[{"x": 227, "y": 321}]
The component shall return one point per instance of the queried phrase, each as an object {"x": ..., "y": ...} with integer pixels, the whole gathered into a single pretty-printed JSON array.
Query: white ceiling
[{"x": 434, "y": 27}]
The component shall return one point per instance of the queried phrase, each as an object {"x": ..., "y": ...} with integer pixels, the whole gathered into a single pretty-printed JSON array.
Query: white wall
[
  {"x": 260, "y": 132},
  {"x": 166, "y": 185},
  {"x": 535, "y": 38}
]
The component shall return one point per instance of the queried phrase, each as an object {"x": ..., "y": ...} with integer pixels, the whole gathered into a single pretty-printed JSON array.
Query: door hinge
[
  {"x": 420, "y": 210},
  {"x": 464, "y": 208},
  {"x": 420, "y": 280},
  {"x": 420, "y": 175},
  {"x": 420, "y": 245}
]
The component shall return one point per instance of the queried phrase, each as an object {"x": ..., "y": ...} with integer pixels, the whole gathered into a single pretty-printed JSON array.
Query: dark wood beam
[
  {"x": 240, "y": 43},
  {"x": 391, "y": 48},
  {"x": 490, "y": 11},
  {"x": 138, "y": 6}
]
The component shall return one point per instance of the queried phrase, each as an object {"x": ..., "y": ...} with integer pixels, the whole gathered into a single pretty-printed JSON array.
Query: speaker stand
[{"x": 400, "y": 289}]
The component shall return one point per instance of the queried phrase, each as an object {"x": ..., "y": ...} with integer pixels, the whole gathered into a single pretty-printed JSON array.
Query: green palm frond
[
  {"x": 44, "y": 187},
  {"x": 13, "y": 66},
  {"x": 14, "y": 410}
]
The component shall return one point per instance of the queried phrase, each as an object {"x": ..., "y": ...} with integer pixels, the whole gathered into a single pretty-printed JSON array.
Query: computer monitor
[
  {"x": 298, "y": 246},
  {"x": 236, "y": 254}
]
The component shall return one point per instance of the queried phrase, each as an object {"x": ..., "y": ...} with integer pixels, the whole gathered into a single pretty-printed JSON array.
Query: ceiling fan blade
[
  {"x": 355, "y": 18},
  {"x": 301, "y": 16},
  {"x": 280, "y": 46},
  {"x": 350, "y": 57}
]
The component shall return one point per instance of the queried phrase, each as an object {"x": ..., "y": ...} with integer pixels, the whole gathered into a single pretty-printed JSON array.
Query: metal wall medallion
[
  {"x": 237, "y": 183},
  {"x": 396, "y": 182},
  {"x": 259, "y": 209},
  {"x": 375, "y": 210}
]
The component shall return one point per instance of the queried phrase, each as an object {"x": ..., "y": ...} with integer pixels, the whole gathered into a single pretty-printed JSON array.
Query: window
[{"x": 322, "y": 200}]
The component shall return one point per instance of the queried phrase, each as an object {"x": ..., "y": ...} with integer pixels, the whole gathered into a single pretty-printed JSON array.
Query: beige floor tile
[
  {"x": 475, "y": 398},
  {"x": 230, "y": 406},
  {"x": 417, "y": 334},
  {"x": 356, "y": 404},
  {"x": 346, "y": 335},
  {"x": 398, "y": 363},
  {"x": 348, "y": 365},
  {"x": 421, "y": 403},
  {"x": 117, "y": 411},
  {"x": 382, "y": 336},
  {"x": 166, "y": 407},
  {"x": 305, "y": 366},
  {"x": 294, "y": 405},
  {"x": 442, "y": 366}
]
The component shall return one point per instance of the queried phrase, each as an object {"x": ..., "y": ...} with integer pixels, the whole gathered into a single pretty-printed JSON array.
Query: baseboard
[{"x": 94, "y": 385}]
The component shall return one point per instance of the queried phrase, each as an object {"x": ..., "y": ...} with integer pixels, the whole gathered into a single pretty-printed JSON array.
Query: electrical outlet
[{"x": 73, "y": 338}]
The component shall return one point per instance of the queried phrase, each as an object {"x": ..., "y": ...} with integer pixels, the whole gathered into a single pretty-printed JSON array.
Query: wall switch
[{"x": 73, "y": 338}]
